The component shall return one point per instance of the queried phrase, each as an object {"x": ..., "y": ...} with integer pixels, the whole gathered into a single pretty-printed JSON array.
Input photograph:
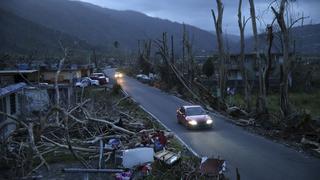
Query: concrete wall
[
  {"x": 36, "y": 100},
  {"x": 5, "y": 132}
]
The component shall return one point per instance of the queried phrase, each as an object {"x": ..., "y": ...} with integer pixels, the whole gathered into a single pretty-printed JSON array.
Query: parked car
[
  {"x": 86, "y": 81},
  {"x": 118, "y": 75},
  {"x": 100, "y": 77},
  {"x": 194, "y": 117},
  {"x": 144, "y": 78}
]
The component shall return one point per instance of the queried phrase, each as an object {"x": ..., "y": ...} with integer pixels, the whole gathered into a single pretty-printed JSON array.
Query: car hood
[{"x": 198, "y": 118}]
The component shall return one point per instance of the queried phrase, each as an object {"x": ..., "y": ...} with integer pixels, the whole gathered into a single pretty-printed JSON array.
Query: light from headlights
[
  {"x": 120, "y": 75},
  {"x": 193, "y": 122},
  {"x": 209, "y": 121}
]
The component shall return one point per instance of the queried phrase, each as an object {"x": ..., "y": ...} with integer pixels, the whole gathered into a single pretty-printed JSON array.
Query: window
[
  {"x": 194, "y": 111},
  {"x": 13, "y": 106}
]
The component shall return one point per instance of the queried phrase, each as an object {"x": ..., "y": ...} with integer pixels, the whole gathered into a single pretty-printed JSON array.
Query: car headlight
[
  {"x": 120, "y": 75},
  {"x": 209, "y": 121},
  {"x": 193, "y": 122}
]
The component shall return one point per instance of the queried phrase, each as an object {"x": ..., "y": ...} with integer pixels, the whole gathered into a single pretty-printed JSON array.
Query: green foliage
[
  {"x": 208, "y": 67},
  {"x": 300, "y": 101}
]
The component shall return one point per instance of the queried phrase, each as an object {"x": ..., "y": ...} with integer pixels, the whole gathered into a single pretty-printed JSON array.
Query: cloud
[{"x": 197, "y": 12}]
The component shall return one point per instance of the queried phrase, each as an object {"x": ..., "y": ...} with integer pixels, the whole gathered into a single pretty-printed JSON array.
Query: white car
[
  {"x": 144, "y": 78},
  {"x": 100, "y": 77},
  {"x": 86, "y": 81}
]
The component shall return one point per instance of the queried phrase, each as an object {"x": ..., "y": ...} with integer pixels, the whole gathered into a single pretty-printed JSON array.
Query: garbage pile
[{"x": 106, "y": 134}]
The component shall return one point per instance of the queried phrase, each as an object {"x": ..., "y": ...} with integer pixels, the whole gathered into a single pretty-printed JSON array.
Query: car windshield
[{"x": 193, "y": 111}]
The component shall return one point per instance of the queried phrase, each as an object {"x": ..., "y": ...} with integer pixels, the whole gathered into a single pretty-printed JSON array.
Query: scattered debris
[
  {"x": 80, "y": 170},
  {"x": 130, "y": 158},
  {"x": 106, "y": 134},
  {"x": 167, "y": 157},
  {"x": 237, "y": 112},
  {"x": 315, "y": 146},
  {"x": 212, "y": 167},
  {"x": 244, "y": 122},
  {"x": 124, "y": 175}
]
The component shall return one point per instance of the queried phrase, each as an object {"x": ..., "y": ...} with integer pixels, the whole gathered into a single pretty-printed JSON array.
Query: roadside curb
[{"x": 158, "y": 120}]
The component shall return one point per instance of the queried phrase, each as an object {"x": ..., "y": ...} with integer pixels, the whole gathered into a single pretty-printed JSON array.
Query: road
[{"x": 256, "y": 157}]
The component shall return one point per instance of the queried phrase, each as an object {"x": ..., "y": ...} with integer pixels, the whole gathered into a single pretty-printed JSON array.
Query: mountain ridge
[
  {"x": 102, "y": 26},
  {"x": 21, "y": 36}
]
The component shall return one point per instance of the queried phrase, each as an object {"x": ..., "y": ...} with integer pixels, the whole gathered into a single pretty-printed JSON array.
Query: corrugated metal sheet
[{"x": 11, "y": 89}]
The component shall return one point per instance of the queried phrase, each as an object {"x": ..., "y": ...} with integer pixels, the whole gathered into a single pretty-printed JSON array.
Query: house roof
[
  {"x": 17, "y": 71},
  {"x": 62, "y": 70},
  {"x": 13, "y": 88}
]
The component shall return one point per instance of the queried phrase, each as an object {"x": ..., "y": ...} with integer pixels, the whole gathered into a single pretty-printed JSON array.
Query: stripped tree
[
  {"x": 242, "y": 21},
  {"x": 57, "y": 76},
  {"x": 184, "y": 39},
  {"x": 285, "y": 23},
  {"x": 222, "y": 69},
  {"x": 285, "y": 67},
  {"x": 163, "y": 51},
  {"x": 187, "y": 55},
  {"x": 262, "y": 98},
  {"x": 144, "y": 57},
  {"x": 267, "y": 71}
]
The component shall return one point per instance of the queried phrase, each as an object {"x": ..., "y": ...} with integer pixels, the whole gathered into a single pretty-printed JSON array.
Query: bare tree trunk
[
  {"x": 261, "y": 100},
  {"x": 284, "y": 100},
  {"x": 187, "y": 55},
  {"x": 56, "y": 82},
  {"x": 247, "y": 90},
  {"x": 172, "y": 50},
  {"x": 191, "y": 72},
  {"x": 267, "y": 72},
  {"x": 222, "y": 68},
  {"x": 184, "y": 65},
  {"x": 163, "y": 51}
]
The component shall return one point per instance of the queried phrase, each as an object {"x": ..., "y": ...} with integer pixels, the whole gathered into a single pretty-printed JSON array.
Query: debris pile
[
  {"x": 299, "y": 130},
  {"x": 105, "y": 134}
]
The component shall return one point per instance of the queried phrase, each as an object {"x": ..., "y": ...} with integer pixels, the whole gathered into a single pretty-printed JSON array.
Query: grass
[{"x": 300, "y": 101}]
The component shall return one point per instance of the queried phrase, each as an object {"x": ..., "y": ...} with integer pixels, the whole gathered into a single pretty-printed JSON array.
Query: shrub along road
[{"x": 255, "y": 156}]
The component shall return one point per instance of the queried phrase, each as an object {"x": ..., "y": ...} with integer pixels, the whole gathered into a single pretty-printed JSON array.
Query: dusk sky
[{"x": 197, "y": 12}]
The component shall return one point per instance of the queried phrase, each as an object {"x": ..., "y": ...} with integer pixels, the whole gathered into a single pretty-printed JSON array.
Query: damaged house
[
  {"x": 30, "y": 91},
  {"x": 12, "y": 85},
  {"x": 10, "y": 104},
  {"x": 233, "y": 66}
]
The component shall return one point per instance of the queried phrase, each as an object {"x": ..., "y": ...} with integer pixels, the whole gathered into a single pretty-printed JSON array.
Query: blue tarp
[{"x": 13, "y": 88}]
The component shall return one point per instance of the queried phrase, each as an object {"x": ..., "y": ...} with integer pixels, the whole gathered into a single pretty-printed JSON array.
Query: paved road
[{"x": 256, "y": 157}]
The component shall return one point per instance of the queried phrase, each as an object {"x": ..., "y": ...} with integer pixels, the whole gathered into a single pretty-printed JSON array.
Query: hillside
[
  {"x": 101, "y": 26},
  {"x": 307, "y": 40},
  {"x": 21, "y": 36}
]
